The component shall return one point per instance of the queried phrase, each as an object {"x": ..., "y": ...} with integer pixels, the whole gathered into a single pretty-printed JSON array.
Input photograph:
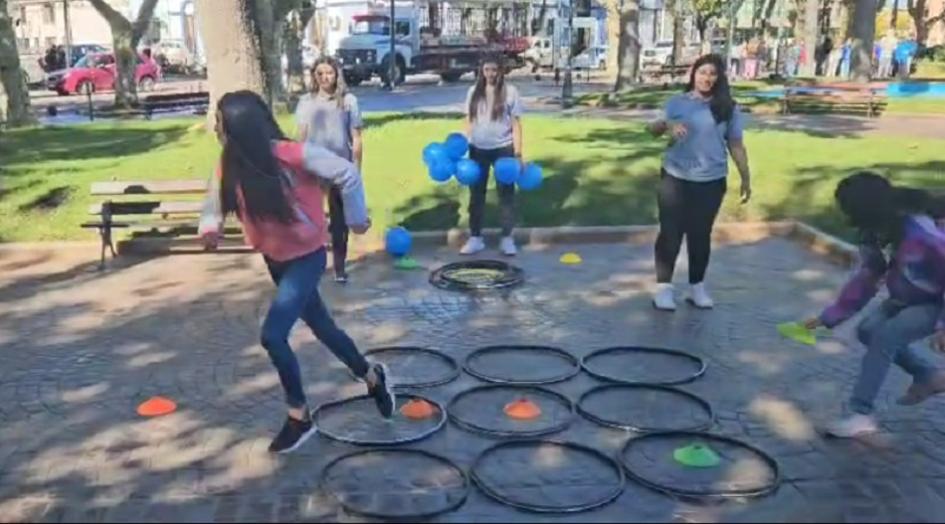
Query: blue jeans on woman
[
  {"x": 297, "y": 297},
  {"x": 889, "y": 334}
]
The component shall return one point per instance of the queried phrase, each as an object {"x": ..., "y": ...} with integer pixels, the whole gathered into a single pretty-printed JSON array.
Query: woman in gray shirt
[
  {"x": 494, "y": 128},
  {"x": 705, "y": 125},
  {"x": 329, "y": 116}
]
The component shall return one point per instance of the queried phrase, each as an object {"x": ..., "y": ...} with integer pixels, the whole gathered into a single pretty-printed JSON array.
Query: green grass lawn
[{"x": 597, "y": 172}]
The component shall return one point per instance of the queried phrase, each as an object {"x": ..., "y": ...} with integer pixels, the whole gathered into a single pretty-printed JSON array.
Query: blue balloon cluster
[
  {"x": 398, "y": 241},
  {"x": 447, "y": 159}
]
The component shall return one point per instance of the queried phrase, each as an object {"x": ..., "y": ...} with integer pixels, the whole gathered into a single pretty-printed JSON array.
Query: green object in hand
[{"x": 797, "y": 333}]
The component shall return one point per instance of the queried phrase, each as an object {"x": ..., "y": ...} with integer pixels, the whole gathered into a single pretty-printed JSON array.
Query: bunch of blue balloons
[{"x": 448, "y": 159}]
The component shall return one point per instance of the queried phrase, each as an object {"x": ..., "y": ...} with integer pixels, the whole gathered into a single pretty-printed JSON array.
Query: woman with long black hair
[
  {"x": 705, "y": 126},
  {"x": 274, "y": 187},
  {"x": 902, "y": 245},
  {"x": 494, "y": 127}
]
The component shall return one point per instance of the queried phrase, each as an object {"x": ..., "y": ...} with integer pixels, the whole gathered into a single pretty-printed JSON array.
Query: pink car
[{"x": 97, "y": 72}]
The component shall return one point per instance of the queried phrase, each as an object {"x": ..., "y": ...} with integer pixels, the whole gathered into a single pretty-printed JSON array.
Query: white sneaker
[
  {"x": 699, "y": 297},
  {"x": 663, "y": 299},
  {"x": 852, "y": 426},
  {"x": 507, "y": 246},
  {"x": 473, "y": 246}
]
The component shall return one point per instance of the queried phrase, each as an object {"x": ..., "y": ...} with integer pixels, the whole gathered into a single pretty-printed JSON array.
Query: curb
[{"x": 836, "y": 250}]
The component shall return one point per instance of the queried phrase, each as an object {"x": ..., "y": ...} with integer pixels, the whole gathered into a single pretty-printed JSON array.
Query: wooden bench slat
[
  {"x": 149, "y": 208},
  {"x": 153, "y": 187}
]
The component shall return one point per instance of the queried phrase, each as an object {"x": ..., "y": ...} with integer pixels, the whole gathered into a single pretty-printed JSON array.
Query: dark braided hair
[{"x": 877, "y": 208}]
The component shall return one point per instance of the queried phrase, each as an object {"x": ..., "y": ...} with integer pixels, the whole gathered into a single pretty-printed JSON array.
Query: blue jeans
[
  {"x": 888, "y": 334},
  {"x": 297, "y": 297}
]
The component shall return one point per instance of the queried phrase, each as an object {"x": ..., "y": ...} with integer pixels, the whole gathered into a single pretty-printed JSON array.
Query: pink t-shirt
[{"x": 306, "y": 167}]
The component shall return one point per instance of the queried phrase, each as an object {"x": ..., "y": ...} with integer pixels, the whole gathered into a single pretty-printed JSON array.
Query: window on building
[
  {"x": 50, "y": 41},
  {"x": 49, "y": 14},
  {"x": 36, "y": 42},
  {"x": 24, "y": 44}
]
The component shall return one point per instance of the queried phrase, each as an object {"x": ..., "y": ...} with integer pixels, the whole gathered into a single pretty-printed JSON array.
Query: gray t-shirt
[
  {"x": 702, "y": 156},
  {"x": 328, "y": 124},
  {"x": 494, "y": 134}
]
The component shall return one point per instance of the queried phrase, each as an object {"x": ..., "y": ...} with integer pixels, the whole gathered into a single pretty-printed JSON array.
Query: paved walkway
[{"x": 80, "y": 349}]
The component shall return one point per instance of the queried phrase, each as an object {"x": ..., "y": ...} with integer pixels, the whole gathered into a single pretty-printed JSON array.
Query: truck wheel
[
  {"x": 452, "y": 76},
  {"x": 353, "y": 80},
  {"x": 400, "y": 73}
]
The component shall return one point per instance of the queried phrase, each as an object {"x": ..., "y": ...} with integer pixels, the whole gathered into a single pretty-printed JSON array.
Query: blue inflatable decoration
[
  {"x": 456, "y": 146},
  {"x": 531, "y": 177},
  {"x": 507, "y": 170},
  {"x": 442, "y": 170},
  {"x": 435, "y": 152},
  {"x": 398, "y": 241},
  {"x": 467, "y": 172}
]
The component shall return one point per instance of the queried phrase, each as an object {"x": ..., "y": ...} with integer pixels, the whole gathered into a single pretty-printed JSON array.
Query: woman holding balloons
[{"x": 494, "y": 128}]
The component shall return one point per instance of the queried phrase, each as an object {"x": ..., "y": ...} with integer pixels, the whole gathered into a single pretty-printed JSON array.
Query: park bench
[
  {"x": 666, "y": 74},
  {"x": 197, "y": 101},
  {"x": 833, "y": 99},
  {"x": 166, "y": 212}
]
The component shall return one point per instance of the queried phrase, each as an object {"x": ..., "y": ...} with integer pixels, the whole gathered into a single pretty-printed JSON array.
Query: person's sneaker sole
[
  {"x": 389, "y": 389},
  {"x": 692, "y": 303},
  {"x": 302, "y": 440}
]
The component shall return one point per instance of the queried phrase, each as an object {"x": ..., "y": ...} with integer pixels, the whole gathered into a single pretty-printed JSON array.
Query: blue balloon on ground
[
  {"x": 531, "y": 177},
  {"x": 467, "y": 172},
  {"x": 435, "y": 152},
  {"x": 456, "y": 146},
  {"x": 442, "y": 170},
  {"x": 398, "y": 241},
  {"x": 507, "y": 170}
]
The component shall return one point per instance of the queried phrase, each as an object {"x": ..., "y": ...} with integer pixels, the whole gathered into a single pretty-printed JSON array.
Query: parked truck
[{"x": 444, "y": 38}]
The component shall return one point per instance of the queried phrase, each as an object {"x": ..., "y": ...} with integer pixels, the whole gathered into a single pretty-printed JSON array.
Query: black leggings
[
  {"x": 686, "y": 209},
  {"x": 486, "y": 159},
  {"x": 338, "y": 228}
]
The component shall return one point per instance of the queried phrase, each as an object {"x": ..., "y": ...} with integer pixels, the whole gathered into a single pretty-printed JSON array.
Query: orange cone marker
[
  {"x": 522, "y": 409},
  {"x": 417, "y": 409},
  {"x": 156, "y": 407}
]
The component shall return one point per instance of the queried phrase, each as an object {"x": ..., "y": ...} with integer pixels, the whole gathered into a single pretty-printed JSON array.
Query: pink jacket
[{"x": 306, "y": 166}]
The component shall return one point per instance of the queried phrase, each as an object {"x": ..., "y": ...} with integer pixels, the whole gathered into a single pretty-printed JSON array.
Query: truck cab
[{"x": 366, "y": 51}]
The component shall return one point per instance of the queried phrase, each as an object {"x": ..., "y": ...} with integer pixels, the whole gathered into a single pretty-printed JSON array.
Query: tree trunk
[
  {"x": 125, "y": 38},
  {"x": 811, "y": 33},
  {"x": 679, "y": 31},
  {"x": 628, "y": 59},
  {"x": 126, "y": 89},
  {"x": 295, "y": 33},
  {"x": 14, "y": 93},
  {"x": 613, "y": 39},
  {"x": 895, "y": 16},
  {"x": 539, "y": 24},
  {"x": 864, "y": 31},
  {"x": 919, "y": 11},
  {"x": 233, "y": 47}
]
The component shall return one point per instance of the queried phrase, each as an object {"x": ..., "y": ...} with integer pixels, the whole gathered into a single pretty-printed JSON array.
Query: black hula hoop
[
  {"x": 359, "y": 442},
  {"x": 470, "y": 369},
  {"x": 662, "y": 351},
  {"x": 696, "y": 494},
  {"x": 616, "y": 424},
  {"x": 511, "y": 276},
  {"x": 446, "y": 379},
  {"x": 535, "y": 508},
  {"x": 390, "y": 516},
  {"x": 476, "y": 428}
]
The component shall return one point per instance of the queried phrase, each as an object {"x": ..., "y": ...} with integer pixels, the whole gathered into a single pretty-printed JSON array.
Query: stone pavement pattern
[{"x": 80, "y": 349}]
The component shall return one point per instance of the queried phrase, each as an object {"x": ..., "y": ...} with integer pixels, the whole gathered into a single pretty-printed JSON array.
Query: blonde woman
[{"x": 329, "y": 116}]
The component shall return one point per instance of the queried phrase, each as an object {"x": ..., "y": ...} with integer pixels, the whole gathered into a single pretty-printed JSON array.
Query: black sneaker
[
  {"x": 382, "y": 392},
  {"x": 294, "y": 433}
]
